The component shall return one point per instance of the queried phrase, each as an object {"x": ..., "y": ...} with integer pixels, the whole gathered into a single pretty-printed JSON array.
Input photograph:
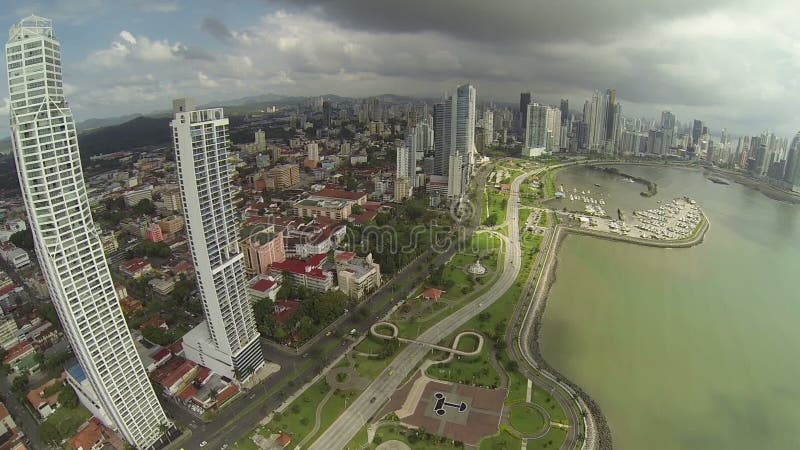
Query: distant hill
[
  {"x": 91, "y": 124},
  {"x": 140, "y": 132}
]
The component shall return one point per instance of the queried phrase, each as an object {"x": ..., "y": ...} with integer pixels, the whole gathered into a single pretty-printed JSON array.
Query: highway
[{"x": 345, "y": 428}]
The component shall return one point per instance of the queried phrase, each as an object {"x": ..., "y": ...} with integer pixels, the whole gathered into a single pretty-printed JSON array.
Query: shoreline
[{"x": 541, "y": 297}]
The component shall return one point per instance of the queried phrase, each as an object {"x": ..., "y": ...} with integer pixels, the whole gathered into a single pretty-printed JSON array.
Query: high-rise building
[
  {"x": 70, "y": 253},
  {"x": 792, "y": 174},
  {"x": 525, "y": 99},
  {"x": 595, "y": 117},
  {"x": 564, "y": 111},
  {"x": 406, "y": 163},
  {"x": 227, "y": 340},
  {"x": 536, "y": 130},
  {"x": 454, "y": 135},
  {"x": 553, "y": 120},
  {"x": 312, "y": 151},
  {"x": 697, "y": 131},
  {"x": 326, "y": 113},
  {"x": 487, "y": 123}
]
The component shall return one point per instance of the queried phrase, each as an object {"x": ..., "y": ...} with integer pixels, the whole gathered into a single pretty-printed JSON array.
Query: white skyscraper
[
  {"x": 227, "y": 341},
  {"x": 67, "y": 244},
  {"x": 406, "y": 163},
  {"x": 312, "y": 149}
]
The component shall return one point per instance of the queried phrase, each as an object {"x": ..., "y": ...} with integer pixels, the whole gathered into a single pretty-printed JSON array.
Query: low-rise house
[
  {"x": 162, "y": 286},
  {"x": 20, "y": 357},
  {"x": 44, "y": 399},
  {"x": 10, "y": 434},
  {"x": 14, "y": 256},
  {"x": 90, "y": 436},
  {"x": 174, "y": 375},
  {"x": 136, "y": 267},
  {"x": 263, "y": 287}
]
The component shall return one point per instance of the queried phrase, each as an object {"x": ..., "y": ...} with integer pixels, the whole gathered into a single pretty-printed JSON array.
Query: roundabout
[{"x": 530, "y": 420}]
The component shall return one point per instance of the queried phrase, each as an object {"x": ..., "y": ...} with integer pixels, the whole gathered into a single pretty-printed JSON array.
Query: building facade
[
  {"x": 71, "y": 256},
  {"x": 227, "y": 341}
]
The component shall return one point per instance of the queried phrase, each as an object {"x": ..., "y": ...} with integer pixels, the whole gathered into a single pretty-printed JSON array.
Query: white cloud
[
  {"x": 127, "y": 37},
  {"x": 131, "y": 48},
  {"x": 205, "y": 81}
]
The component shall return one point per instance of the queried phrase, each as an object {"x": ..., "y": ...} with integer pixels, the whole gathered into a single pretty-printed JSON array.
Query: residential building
[
  {"x": 536, "y": 130},
  {"x": 283, "y": 176},
  {"x": 525, "y": 99},
  {"x": 134, "y": 196},
  {"x": 86, "y": 393},
  {"x": 171, "y": 225},
  {"x": 162, "y": 286},
  {"x": 334, "y": 209},
  {"x": 227, "y": 341},
  {"x": 308, "y": 273},
  {"x": 357, "y": 276},
  {"x": 44, "y": 398},
  {"x": 358, "y": 198},
  {"x": 69, "y": 250},
  {"x": 261, "y": 249},
  {"x": 14, "y": 256},
  {"x": 9, "y": 432},
  {"x": 8, "y": 332},
  {"x": 312, "y": 151},
  {"x": 136, "y": 267},
  {"x": 154, "y": 233},
  {"x": 403, "y": 189},
  {"x": 263, "y": 287}
]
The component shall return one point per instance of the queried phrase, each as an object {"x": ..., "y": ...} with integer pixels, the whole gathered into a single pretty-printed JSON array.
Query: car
[
  {"x": 372, "y": 400},
  {"x": 203, "y": 444},
  {"x": 328, "y": 333},
  {"x": 224, "y": 446}
]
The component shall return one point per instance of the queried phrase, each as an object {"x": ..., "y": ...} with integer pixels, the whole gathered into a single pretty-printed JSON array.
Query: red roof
[
  {"x": 226, "y": 394},
  {"x": 263, "y": 285},
  {"x": 182, "y": 267},
  {"x": 6, "y": 289},
  {"x": 134, "y": 265},
  {"x": 188, "y": 392},
  {"x": 371, "y": 206},
  {"x": 156, "y": 321},
  {"x": 87, "y": 437},
  {"x": 285, "y": 310},
  {"x": 432, "y": 293},
  {"x": 365, "y": 217},
  {"x": 345, "y": 256},
  {"x": 17, "y": 351},
  {"x": 202, "y": 374},
  {"x": 309, "y": 267},
  {"x": 283, "y": 440},
  {"x": 340, "y": 194},
  {"x": 161, "y": 354},
  {"x": 171, "y": 372}
]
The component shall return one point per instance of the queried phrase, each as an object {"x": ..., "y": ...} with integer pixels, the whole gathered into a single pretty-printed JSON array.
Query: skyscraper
[
  {"x": 454, "y": 135},
  {"x": 227, "y": 341},
  {"x": 525, "y": 99},
  {"x": 406, "y": 166},
  {"x": 536, "y": 130},
  {"x": 792, "y": 175},
  {"x": 564, "y": 111},
  {"x": 70, "y": 253},
  {"x": 697, "y": 131}
]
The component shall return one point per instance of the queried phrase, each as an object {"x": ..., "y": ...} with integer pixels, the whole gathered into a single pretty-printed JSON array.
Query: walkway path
[{"x": 317, "y": 419}]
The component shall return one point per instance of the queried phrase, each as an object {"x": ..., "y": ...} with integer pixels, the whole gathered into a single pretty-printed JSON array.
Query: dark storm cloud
[
  {"x": 501, "y": 21},
  {"x": 217, "y": 28}
]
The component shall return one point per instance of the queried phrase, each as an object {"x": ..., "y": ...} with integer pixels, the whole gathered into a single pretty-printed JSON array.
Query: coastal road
[{"x": 352, "y": 420}]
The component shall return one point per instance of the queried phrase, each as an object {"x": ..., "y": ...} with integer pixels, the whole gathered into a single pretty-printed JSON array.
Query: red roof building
[
  {"x": 226, "y": 394},
  {"x": 174, "y": 374},
  {"x": 90, "y": 437},
  {"x": 136, "y": 267},
  {"x": 432, "y": 294},
  {"x": 308, "y": 273},
  {"x": 285, "y": 310},
  {"x": 359, "y": 198}
]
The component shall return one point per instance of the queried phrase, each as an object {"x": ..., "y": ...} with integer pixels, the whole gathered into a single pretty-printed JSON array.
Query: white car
[{"x": 203, "y": 444}]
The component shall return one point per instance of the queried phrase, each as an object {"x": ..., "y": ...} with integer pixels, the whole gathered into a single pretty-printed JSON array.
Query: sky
[{"x": 732, "y": 63}]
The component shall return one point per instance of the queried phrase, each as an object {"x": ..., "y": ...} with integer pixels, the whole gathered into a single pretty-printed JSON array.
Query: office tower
[
  {"x": 656, "y": 143},
  {"x": 697, "y": 131},
  {"x": 536, "y": 130},
  {"x": 525, "y": 99},
  {"x": 596, "y": 121},
  {"x": 70, "y": 253},
  {"x": 260, "y": 140},
  {"x": 564, "y": 111},
  {"x": 227, "y": 341},
  {"x": 454, "y": 175},
  {"x": 420, "y": 139},
  {"x": 326, "y": 113},
  {"x": 454, "y": 134},
  {"x": 667, "y": 120},
  {"x": 610, "y": 103},
  {"x": 792, "y": 174},
  {"x": 743, "y": 150}
]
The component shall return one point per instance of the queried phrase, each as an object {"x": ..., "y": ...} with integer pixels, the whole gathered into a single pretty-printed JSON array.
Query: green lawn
[
  {"x": 550, "y": 441},
  {"x": 67, "y": 420},
  {"x": 543, "y": 398},
  {"x": 467, "y": 343},
  {"x": 497, "y": 202},
  {"x": 298, "y": 419},
  {"x": 523, "y": 217},
  {"x": 543, "y": 219},
  {"x": 517, "y": 384},
  {"x": 370, "y": 344},
  {"x": 526, "y": 419},
  {"x": 472, "y": 370},
  {"x": 501, "y": 441},
  {"x": 415, "y": 439}
]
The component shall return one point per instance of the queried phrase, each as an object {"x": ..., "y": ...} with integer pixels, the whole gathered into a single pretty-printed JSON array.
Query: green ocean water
[{"x": 684, "y": 348}]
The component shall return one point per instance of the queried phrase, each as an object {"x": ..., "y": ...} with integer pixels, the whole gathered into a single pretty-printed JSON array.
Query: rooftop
[{"x": 340, "y": 194}]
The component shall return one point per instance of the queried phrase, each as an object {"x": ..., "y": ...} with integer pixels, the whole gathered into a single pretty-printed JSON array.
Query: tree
[
  {"x": 145, "y": 206},
  {"x": 20, "y": 385},
  {"x": 23, "y": 239},
  {"x": 158, "y": 336},
  {"x": 67, "y": 398},
  {"x": 49, "y": 433}
]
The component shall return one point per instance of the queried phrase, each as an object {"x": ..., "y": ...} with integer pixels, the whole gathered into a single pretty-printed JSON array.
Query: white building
[
  {"x": 312, "y": 149},
  {"x": 45, "y": 147},
  {"x": 14, "y": 256},
  {"x": 536, "y": 130},
  {"x": 227, "y": 341}
]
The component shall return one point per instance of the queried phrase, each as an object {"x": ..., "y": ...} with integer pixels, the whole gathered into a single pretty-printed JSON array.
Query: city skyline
[{"x": 259, "y": 48}]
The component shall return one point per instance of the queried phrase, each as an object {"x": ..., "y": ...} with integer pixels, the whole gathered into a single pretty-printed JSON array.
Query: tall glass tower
[
  {"x": 227, "y": 341},
  {"x": 69, "y": 250}
]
